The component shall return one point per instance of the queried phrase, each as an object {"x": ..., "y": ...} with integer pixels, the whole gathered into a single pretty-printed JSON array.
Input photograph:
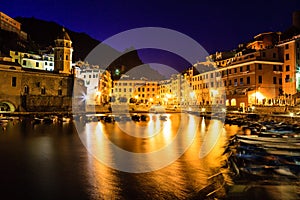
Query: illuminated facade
[
  {"x": 9, "y": 24},
  {"x": 241, "y": 81},
  {"x": 97, "y": 81},
  {"x": 165, "y": 93},
  {"x": 63, "y": 51},
  {"x": 291, "y": 68},
  {"x": 33, "y": 61},
  {"x": 139, "y": 91}
]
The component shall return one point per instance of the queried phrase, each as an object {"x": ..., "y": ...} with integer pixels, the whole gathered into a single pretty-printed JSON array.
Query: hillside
[{"x": 41, "y": 35}]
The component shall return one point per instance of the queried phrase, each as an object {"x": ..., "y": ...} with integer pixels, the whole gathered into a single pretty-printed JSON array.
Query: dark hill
[{"x": 41, "y": 35}]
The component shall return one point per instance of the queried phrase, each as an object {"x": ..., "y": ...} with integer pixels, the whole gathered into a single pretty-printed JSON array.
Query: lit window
[{"x": 233, "y": 102}]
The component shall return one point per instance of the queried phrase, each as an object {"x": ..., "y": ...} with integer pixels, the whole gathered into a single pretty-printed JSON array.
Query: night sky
[{"x": 216, "y": 25}]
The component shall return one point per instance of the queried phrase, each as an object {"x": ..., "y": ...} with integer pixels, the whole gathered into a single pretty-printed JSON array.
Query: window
[
  {"x": 274, "y": 80},
  {"x": 287, "y": 56},
  {"x": 46, "y": 63},
  {"x": 14, "y": 81},
  {"x": 287, "y": 68},
  {"x": 206, "y": 76},
  {"x": 51, "y": 64},
  {"x": 233, "y": 102},
  {"x": 90, "y": 76},
  {"x": 248, "y": 67},
  {"x": 67, "y": 57},
  {"x": 241, "y": 81},
  {"x": 43, "y": 90},
  {"x": 229, "y": 82},
  {"x": 148, "y": 89},
  {"x": 24, "y": 62},
  {"x": 259, "y": 79},
  {"x": 84, "y": 76},
  {"x": 287, "y": 78},
  {"x": 124, "y": 89},
  {"x": 130, "y": 89},
  {"x": 59, "y": 92},
  {"x": 235, "y": 70},
  {"x": 260, "y": 66},
  {"x": 274, "y": 68},
  {"x": 263, "y": 54},
  {"x": 16, "y": 60},
  {"x": 224, "y": 83},
  {"x": 287, "y": 46},
  {"x": 248, "y": 80},
  {"x": 26, "y": 89},
  {"x": 229, "y": 71},
  {"x": 274, "y": 55},
  {"x": 241, "y": 69},
  {"x": 280, "y": 68},
  {"x": 280, "y": 81},
  {"x": 211, "y": 84},
  {"x": 211, "y": 75},
  {"x": 235, "y": 82},
  {"x": 37, "y": 64}
]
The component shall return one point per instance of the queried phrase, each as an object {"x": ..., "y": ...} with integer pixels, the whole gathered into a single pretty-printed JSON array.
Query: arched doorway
[{"x": 6, "y": 107}]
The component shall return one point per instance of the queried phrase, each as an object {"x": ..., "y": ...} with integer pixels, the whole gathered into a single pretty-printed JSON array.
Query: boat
[{"x": 163, "y": 117}]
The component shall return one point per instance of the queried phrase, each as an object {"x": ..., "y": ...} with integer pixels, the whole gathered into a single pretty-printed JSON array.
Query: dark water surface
[{"x": 49, "y": 161}]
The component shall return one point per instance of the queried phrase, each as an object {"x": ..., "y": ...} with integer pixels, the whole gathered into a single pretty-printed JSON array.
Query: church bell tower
[{"x": 63, "y": 53}]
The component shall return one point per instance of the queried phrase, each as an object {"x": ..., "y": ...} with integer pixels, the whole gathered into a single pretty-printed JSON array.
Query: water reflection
[
  {"x": 53, "y": 164},
  {"x": 187, "y": 175}
]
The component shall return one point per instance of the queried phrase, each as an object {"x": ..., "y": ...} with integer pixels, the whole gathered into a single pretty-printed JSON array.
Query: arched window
[
  {"x": 26, "y": 89},
  {"x": 43, "y": 90},
  {"x": 233, "y": 102}
]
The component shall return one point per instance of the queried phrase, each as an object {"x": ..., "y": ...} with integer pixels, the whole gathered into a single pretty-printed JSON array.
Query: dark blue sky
[{"x": 216, "y": 25}]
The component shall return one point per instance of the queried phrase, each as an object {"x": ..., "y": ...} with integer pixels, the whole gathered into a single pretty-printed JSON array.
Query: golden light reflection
[
  {"x": 203, "y": 127},
  {"x": 98, "y": 174},
  {"x": 167, "y": 133},
  {"x": 211, "y": 138}
]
